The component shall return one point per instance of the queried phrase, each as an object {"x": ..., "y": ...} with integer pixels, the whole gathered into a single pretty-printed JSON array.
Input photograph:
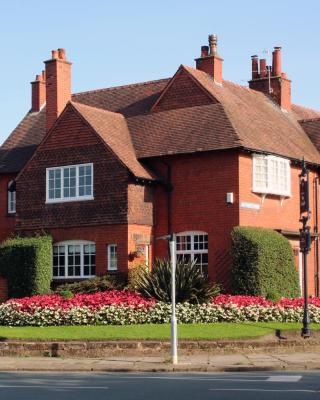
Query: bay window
[
  {"x": 271, "y": 175},
  {"x": 69, "y": 183},
  {"x": 74, "y": 259}
]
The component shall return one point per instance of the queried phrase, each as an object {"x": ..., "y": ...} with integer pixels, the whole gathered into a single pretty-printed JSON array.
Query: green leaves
[
  {"x": 263, "y": 264},
  {"x": 26, "y": 263},
  {"x": 191, "y": 284}
]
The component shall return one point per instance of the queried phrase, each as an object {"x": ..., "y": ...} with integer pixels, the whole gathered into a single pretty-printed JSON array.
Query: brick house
[{"x": 105, "y": 172}]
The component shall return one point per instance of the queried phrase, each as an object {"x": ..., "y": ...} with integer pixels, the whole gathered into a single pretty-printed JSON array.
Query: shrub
[
  {"x": 263, "y": 264},
  {"x": 26, "y": 263},
  {"x": 191, "y": 284},
  {"x": 134, "y": 273},
  {"x": 93, "y": 285}
]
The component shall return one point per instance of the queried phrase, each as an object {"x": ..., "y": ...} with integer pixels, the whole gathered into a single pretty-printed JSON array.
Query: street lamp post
[
  {"x": 305, "y": 243},
  {"x": 173, "y": 261},
  {"x": 174, "y": 340}
]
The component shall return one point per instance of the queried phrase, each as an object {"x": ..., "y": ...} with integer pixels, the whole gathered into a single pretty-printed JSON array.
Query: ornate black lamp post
[{"x": 305, "y": 243}]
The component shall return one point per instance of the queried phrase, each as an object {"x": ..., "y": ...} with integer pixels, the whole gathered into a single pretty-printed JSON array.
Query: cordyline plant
[{"x": 191, "y": 285}]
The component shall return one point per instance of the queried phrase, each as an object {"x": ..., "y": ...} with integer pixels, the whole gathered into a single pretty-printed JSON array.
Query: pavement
[{"x": 239, "y": 362}]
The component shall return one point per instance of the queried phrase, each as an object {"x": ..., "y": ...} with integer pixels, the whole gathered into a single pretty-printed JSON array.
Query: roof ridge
[
  {"x": 121, "y": 86},
  {"x": 309, "y": 119},
  {"x": 76, "y": 104}
]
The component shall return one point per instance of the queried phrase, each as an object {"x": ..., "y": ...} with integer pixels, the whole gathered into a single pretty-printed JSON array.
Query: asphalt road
[{"x": 223, "y": 386}]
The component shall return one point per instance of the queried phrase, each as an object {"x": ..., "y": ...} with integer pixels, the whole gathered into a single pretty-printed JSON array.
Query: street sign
[
  {"x": 304, "y": 195},
  {"x": 305, "y": 240}
]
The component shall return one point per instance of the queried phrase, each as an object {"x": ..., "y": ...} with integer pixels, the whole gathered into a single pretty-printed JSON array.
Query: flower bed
[{"x": 125, "y": 308}]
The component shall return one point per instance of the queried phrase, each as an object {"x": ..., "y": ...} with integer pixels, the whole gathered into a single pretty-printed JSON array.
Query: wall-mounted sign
[
  {"x": 304, "y": 195},
  {"x": 250, "y": 206}
]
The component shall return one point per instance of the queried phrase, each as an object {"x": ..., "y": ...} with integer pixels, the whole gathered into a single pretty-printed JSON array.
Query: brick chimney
[
  {"x": 38, "y": 93},
  {"x": 210, "y": 61},
  {"x": 58, "y": 85},
  {"x": 271, "y": 80}
]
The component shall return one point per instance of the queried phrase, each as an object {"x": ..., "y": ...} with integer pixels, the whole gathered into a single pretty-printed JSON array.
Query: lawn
[{"x": 149, "y": 332}]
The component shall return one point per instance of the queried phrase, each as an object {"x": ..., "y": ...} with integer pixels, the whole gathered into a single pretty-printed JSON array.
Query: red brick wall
[
  {"x": 281, "y": 90},
  {"x": 72, "y": 142},
  {"x": 182, "y": 92},
  {"x": 102, "y": 236},
  {"x": 58, "y": 88},
  {"x": 200, "y": 184},
  {"x": 272, "y": 213},
  {"x": 7, "y": 221},
  {"x": 140, "y": 204}
]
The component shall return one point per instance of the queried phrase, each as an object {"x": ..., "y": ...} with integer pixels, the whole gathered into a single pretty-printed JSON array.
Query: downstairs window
[
  {"x": 193, "y": 246},
  {"x": 74, "y": 259}
]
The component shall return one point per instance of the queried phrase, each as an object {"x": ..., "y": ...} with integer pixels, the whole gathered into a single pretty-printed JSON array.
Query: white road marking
[
  {"x": 52, "y": 387},
  {"x": 284, "y": 378},
  {"x": 265, "y": 390}
]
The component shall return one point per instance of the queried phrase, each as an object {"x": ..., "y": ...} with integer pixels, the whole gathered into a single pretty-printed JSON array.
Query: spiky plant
[{"x": 191, "y": 284}]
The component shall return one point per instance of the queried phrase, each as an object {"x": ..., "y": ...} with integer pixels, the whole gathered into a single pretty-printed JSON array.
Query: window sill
[
  {"x": 11, "y": 214},
  {"x": 72, "y": 278},
  {"x": 272, "y": 193},
  {"x": 69, "y": 200}
]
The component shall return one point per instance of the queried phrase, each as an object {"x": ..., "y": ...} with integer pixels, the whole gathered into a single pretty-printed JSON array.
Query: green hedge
[
  {"x": 263, "y": 264},
  {"x": 27, "y": 265}
]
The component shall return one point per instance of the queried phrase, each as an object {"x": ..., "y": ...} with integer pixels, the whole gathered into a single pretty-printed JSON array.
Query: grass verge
[{"x": 149, "y": 332}]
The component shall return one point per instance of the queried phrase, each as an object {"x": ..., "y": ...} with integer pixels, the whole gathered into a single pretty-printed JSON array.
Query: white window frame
[
  {"x": 80, "y": 243},
  {"x": 110, "y": 267},
  {"x": 269, "y": 189},
  {"x": 192, "y": 252},
  {"x": 11, "y": 200},
  {"x": 77, "y": 197}
]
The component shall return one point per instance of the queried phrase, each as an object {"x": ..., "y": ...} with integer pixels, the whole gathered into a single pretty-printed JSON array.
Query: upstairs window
[
  {"x": 11, "y": 198},
  {"x": 69, "y": 183},
  {"x": 271, "y": 175},
  {"x": 193, "y": 246}
]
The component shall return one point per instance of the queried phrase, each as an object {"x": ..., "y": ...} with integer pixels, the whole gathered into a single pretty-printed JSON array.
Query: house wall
[
  {"x": 72, "y": 142},
  {"x": 275, "y": 214},
  {"x": 7, "y": 221},
  {"x": 200, "y": 184}
]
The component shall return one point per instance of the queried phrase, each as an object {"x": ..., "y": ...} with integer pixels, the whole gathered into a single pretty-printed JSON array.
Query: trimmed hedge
[
  {"x": 93, "y": 285},
  {"x": 26, "y": 263},
  {"x": 263, "y": 264}
]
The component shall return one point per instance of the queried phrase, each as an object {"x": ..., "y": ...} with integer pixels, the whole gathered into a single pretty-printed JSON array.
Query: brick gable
[
  {"x": 72, "y": 142},
  {"x": 182, "y": 91}
]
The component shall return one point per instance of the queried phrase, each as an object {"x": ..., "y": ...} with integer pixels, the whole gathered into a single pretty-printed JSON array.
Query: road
[{"x": 223, "y": 386}]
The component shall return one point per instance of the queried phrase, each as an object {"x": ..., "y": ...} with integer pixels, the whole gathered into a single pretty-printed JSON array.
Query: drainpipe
[
  {"x": 169, "y": 189},
  {"x": 316, "y": 191}
]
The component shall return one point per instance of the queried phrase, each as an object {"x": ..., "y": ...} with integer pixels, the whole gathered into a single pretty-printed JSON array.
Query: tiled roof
[
  {"x": 184, "y": 130},
  {"x": 21, "y": 144},
  {"x": 128, "y": 100},
  {"x": 312, "y": 127},
  {"x": 237, "y": 117},
  {"x": 112, "y": 128}
]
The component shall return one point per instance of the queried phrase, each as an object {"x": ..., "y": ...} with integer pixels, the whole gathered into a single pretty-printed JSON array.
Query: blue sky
[{"x": 118, "y": 42}]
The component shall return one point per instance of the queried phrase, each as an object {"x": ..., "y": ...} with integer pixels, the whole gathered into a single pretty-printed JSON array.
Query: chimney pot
[
  {"x": 204, "y": 51},
  {"x": 62, "y": 54},
  {"x": 54, "y": 54},
  {"x": 213, "y": 43},
  {"x": 276, "y": 61},
  {"x": 263, "y": 68},
  {"x": 255, "y": 70}
]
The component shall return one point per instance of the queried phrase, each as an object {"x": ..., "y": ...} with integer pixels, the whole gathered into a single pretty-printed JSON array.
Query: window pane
[{"x": 112, "y": 257}]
